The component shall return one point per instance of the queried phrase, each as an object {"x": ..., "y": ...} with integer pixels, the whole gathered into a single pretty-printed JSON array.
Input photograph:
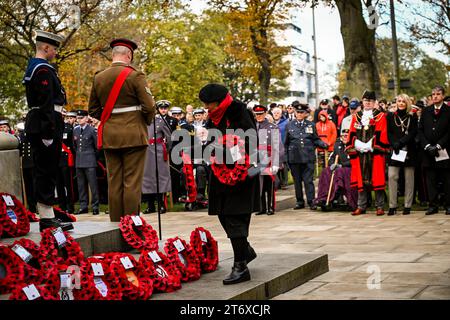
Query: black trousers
[
  {"x": 64, "y": 188},
  {"x": 267, "y": 194},
  {"x": 235, "y": 226},
  {"x": 46, "y": 160},
  {"x": 28, "y": 180},
  {"x": 176, "y": 181},
  {"x": 303, "y": 173},
  {"x": 433, "y": 177}
]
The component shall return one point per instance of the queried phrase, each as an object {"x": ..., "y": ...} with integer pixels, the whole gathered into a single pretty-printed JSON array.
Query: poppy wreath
[
  {"x": 33, "y": 268},
  {"x": 13, "y": 269},
  {"x": 32, "y": 217},
  {"x": 225, "y": 173},
  {"x": 207, "y": 252},
  {"x": 53, "y": 280},
  {"x": 88, "y": 288},
  {"x": 11, "y": 229},
  {"x": 64, "y": 216},
  {"x": 50, "y": 253},
  {"x": 130, "y": 291},
  {"x": 167, "y": 281},
  {"x": 192, "y": 270},
  {"x": 1, "y": 230},
  {"x": 139, "y": 237},
  {"x": 44, "y": 293},
  {"x": 188, "y": 171}
]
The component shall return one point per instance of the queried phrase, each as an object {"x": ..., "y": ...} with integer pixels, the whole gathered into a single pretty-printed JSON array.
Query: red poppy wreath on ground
[
  {"x": 206, "y": 248},
  {"x": 135, "y": 283},
  {"x": 29, "y": 253},
  {"x": 32, "y": 217},
  {"x": 188, "y": 171},
  {"x": 13, "y": 217},
  {"x": 184, "y": 257},
  {"x": 97, "y": 281},
  {"x": 42, "y": 293},
  {"x": 231, "y": 174},
  {"x": 64, "y": 215},
  {"x": 71, "y": 277},
  {"x": 166, "y": 276},
  {"x": 51, "y": 253},
  {"x": 11, "y": 269},
  {"x": 138, "y": 233}
]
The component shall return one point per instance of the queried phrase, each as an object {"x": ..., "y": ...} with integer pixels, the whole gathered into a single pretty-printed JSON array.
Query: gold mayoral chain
[{"x": 402, "y": 123}]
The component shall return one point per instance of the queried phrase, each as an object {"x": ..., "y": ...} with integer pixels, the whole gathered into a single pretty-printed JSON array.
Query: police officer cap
[
  {"x": 213, "y": 92},
  {"x": 259, "y": 109},
  {"x": 4, "y": 121},
  {"x": 354, "y": 104},
  {"x": 324, "y": 101},
  {"x": 302, "y": 107},
  {"x": 199, "y": 111},
  {"x": 295, "y": 103},
  {"x": 48, "y": 37},
  {"x": 82, "y": 113},
  {"x": 71, "y": 114},
  {"x": 163, "y": 104},
  {"x": 124, "y": 43},
  {"x": 369, "y": 95},
  {"x": 176, "y": 110}
]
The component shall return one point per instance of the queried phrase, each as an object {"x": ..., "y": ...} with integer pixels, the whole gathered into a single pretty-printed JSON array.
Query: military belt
[
  {"x": 58, "y": 108},
  {"x": 127, "y": 109}
]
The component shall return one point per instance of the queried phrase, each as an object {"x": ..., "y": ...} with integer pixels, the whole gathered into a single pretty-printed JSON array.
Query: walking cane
[
  {"x": 317, "y": 163},
  {"x": 331, "y": 184},
  {"x": 158, "y": 206}
]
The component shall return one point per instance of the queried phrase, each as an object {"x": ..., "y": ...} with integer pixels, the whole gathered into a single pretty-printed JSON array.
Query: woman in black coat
[
  {"x": 402, "y": 130},
  {"x": 233, "y": 204}
]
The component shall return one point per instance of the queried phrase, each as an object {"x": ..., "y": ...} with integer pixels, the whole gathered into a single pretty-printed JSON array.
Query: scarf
[{"x": 217, "y": 114}]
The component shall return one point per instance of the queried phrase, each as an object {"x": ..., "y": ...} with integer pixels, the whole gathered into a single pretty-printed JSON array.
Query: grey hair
[{"x": 120, "y": 50}]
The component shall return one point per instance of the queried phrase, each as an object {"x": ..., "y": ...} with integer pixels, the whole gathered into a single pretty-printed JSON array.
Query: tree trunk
[
  {"x": 359, "y": 47},
  {"x": 259, "y": 44}
]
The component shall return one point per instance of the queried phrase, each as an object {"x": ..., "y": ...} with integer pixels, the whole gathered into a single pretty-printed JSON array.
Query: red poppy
[
  {"x": 190, "y": 268},
  {"x": 32, "y": 268},
  {"x": 188, "y": 171},
  {"x": 207, "y": 249},
  {"x": 14, "y": 219},
  {"x": 64, "y": 215},
  {"x": 45, "y": 294},
  {"x": 139, "y": 237},
  {"x": 13, "y": 269}
]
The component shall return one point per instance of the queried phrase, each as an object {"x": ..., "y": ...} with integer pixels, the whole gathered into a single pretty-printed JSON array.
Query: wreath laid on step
[
  {"x": 188, "y": 171},
  {"x": 206, "y": 248},
  {"x": 64, "y": 216},
  {"x": 166, "y": 276},
  {"x": 12, "y": 268},
  {"x": 53, "y": 281},
  {"x": 184, "y": 257},
  {"x": 135, "y": 283},
  {"x": 32, "y": 217},
  {"x": 30, "y": 258},
  {"x": 51, "y": 252},
  {"x": 140, "y": 237},
  {"x": 13, "y": 218},
  {"x": 44, "y": 294},
  {"x": 231, "y": 174}
]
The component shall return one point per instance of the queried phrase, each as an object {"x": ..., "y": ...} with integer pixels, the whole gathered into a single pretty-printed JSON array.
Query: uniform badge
[{"x": 309, "y": 129}]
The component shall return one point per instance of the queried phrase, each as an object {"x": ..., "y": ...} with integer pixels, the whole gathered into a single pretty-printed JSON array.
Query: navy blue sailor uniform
[
  {"x": 44, "y": 125},
  {"x": 27, "y": 170},
  {"x": 85, "y": 143},
  {"x": 300, "y": 143}
]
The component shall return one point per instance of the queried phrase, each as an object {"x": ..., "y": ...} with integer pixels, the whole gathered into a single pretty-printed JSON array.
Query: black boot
[
  {"x": 392, "y": 211},
  {"x": 406, "y": 211},
  {"x": 239, "y": 273},
  {"x": 251, "y": 255},
  {"x": 45, "y": 223},
  {"x": 431, "y": 210}
]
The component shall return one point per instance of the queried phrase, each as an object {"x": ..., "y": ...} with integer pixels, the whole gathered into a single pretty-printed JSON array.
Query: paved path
[{"x": 401, "y": 257}]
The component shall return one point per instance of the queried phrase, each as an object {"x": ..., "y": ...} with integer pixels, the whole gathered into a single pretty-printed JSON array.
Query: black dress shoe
[
  {"x": 260, "y": 213},
  {"x": 270, "y": 212},
  {"x": 392, "y": 211},
  {"x": 251, "y": 255},
  {"x": 81, "y": 211},
  {"x": 239, "y": 273},
  {"x": 162, "y": 210},
  {"x": 95, "y": 212},
  {"x": 432, "y": 210},
  {"x": 406, "y": 211},
  {"x": 447, "y": 211},
  {"x": 149, "y": 210},
  {"x": 299, "y": 206},
  {"x": 312, "y": 207},
  {"x": 45, "y": 223}
]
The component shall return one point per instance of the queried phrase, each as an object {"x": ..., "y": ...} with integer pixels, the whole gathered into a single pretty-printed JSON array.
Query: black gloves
[
  {"x": 396, "y": 147},
  {"x": 432, "y": 151}
]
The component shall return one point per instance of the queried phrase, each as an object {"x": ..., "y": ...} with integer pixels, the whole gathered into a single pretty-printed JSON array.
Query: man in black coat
[
  {"x": 434, "y": 139},
  {"x": 325, "y": 105},
  {"x": 234, "y": 204}
]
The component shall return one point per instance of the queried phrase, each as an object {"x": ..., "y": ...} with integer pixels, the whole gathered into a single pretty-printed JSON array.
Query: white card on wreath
[
  {"x": 126, "y": 262},
  {"x": 101, "y": 286},
  {"x": 12, "y": 216},
  {"x": 60, "y": 237},
  {"x": 8, "y": 200},
  {"x": 154, "y": 256},
  {"x": 97, "y": 268},
  {"x": 179, "y": 245},
  {"x": 203, "y": 236},
  {"x": 137, "y": 220},
  {"x": 235, "y": 153},
  {"x": 23, "y": 253},
  {"x": 31, "y": 292},
  {"x": 65, "y": 280}
]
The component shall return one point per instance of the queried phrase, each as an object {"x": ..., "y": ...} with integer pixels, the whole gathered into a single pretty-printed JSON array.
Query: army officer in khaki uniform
[{"x": 124, "y": 136}]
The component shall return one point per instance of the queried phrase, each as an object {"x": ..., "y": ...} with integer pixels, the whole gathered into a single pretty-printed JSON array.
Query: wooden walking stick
[{"x": 331, "y": 182}]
